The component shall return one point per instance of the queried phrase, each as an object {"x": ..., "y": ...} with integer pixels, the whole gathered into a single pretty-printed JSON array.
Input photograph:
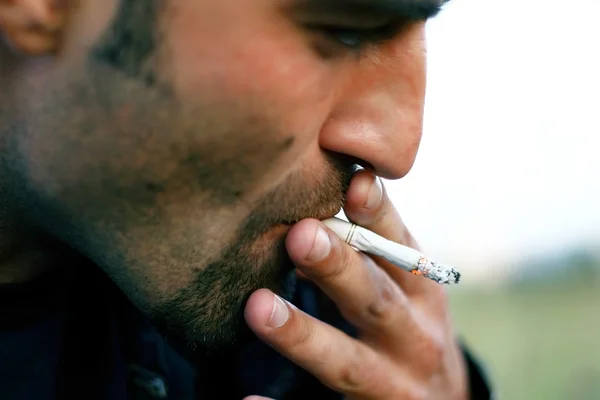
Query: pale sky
[{"x": 510, "y": 158}]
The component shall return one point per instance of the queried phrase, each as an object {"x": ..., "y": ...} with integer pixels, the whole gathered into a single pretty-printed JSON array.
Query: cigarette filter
[{"x": 402, "y": 256}]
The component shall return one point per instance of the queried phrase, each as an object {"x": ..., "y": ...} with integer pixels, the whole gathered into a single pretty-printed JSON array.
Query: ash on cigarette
[{"x": 439, "y": 273}]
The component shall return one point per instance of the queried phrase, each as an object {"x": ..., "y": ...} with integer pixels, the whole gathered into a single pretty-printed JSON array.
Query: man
[{"x": 167, "y": 164}]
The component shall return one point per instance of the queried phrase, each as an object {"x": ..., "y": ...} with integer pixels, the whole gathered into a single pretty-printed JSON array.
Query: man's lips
[
  {"x": 294, "y": 222},
  {"x": 321, "y": 216}
]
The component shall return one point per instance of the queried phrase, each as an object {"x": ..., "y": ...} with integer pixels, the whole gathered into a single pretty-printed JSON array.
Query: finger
[
  {"x": 337, "y": 360},
  {"x": 257, "y": 398},
  {"x": 369, "y": 206},
  {"x": 366, "y": 296}
]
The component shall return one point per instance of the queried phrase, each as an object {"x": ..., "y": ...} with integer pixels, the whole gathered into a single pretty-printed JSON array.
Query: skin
[
  {"x": 179, "y": 156},
  {"x": 405, "y": 347}
]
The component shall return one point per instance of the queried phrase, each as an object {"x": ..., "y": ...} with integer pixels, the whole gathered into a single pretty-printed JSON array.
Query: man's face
[{"x": 173, "y": 142}]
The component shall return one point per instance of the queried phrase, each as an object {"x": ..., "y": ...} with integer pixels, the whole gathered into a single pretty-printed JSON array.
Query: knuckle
[
  {"x": 386, "y": 305},
  {"x": 359, "y": 373},
  {"x": 433, "y": 354}
]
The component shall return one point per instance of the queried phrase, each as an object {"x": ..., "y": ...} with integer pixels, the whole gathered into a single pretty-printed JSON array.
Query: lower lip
[{"x": 277, "y": 231}]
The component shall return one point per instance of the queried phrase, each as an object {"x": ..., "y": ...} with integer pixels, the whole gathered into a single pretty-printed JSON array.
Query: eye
[
  {"x": 351, "y": 38},
  {"x": 357, "y": 39}
]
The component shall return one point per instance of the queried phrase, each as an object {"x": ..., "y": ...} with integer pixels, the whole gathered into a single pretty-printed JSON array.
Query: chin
[
  {"x": 208, "y": 315},
  {"x": 219, "y": 335}
]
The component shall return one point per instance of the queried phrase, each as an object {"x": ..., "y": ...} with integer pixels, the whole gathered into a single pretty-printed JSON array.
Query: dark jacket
[{"x": 76, "y": 336}]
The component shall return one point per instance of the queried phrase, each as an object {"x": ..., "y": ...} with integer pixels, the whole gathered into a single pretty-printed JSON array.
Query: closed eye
[{"x": 358, "y": 39}]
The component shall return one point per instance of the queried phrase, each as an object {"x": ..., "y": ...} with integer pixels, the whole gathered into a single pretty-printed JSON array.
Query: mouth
[{"x": 320, "y": 216}]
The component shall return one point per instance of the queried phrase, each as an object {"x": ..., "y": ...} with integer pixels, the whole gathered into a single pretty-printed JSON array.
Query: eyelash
[{"x": 358, "y": 39}]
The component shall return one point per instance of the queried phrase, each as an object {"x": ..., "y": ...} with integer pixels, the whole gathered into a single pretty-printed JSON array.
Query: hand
[{"x": 406, "y": 347}]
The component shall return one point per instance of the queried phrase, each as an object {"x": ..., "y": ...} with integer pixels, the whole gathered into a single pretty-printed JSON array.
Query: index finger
[
  {"x": 369, "y": 206},
  {"x": 339, "y": 361}
]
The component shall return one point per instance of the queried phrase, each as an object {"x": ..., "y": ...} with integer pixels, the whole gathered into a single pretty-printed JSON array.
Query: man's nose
[{"x": 378, "y": 116}]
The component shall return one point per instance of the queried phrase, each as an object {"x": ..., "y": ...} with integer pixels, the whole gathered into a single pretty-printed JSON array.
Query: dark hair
[{"x": 130, "y": 41}]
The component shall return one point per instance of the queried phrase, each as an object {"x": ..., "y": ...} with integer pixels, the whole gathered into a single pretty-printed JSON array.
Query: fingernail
[
  {"x": 280, "y": 313},
  {"x": 375, "y": 194},
  {"x": 321, "y": 246}
]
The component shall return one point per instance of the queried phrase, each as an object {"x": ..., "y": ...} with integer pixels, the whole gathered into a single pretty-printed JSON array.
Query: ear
[{"x": 32, "y": 27}]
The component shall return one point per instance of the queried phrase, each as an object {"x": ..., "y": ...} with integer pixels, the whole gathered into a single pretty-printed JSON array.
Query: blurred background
[{"x": 507, "y": 188}]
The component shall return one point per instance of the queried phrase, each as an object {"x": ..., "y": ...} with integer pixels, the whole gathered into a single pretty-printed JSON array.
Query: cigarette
[{"x": 404, "y": 257}]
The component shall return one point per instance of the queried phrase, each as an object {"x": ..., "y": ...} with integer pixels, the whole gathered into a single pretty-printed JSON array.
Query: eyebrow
[{"x": 418, "y": 10}]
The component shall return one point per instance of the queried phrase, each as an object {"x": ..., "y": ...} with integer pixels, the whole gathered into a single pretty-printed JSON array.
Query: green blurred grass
[{"x": 538, "y": 341}]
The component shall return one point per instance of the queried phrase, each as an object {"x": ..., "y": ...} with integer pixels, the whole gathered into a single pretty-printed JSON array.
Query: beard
[{"x": 207, "y": 317}]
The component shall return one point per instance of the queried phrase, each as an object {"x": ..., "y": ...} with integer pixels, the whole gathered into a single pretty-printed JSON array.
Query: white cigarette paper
[{"x": 402, "y": 256}]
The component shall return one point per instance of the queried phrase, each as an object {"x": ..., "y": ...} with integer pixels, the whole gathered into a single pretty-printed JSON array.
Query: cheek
[{"x": 261, "y": 69}]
